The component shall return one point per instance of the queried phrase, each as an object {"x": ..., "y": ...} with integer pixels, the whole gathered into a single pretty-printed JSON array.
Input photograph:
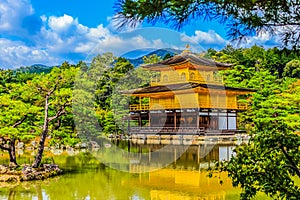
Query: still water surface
[{"x": 86, "y": 178}]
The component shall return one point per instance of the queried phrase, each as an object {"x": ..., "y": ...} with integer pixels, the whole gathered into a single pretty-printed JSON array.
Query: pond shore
[{"x": 27, "y": 173}]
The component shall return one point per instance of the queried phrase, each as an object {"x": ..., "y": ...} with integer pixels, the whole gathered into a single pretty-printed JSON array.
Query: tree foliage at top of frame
[{"x": 241, "y": 18}]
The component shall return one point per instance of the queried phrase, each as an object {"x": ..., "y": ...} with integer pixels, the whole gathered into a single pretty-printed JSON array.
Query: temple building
[{"x": 187, "y": 96}]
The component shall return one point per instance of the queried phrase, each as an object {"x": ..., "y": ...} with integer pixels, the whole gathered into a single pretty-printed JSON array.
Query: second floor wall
[
  {"x": 187, "y": 75},
  {"x": 194, "y": 100}
]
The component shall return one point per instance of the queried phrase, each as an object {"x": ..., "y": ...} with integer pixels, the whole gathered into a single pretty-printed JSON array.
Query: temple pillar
[
  {"x": 140, "y": 120},
  {"x": 128, "y": 126},
  {"x": 227, "y": 119},
  {"x": 175, "y": 119},
  {"x": 197, "y": 118}
]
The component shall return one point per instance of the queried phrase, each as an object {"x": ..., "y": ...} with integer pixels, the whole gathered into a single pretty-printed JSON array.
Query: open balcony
[{"x": 146, "y": 107}]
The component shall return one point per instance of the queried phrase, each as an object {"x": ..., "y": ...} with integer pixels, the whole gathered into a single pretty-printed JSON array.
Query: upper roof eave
[
  {"x": 183, "y": 86},
  {"x": 183, "y": 58}
]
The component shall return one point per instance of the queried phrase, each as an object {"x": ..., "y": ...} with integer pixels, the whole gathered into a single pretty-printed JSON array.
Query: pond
[{"x": 170, "y": 172}]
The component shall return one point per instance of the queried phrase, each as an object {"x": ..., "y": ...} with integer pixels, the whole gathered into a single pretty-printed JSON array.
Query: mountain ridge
[
  {"x": 159, "y": 52},
  {"x": 41, "y": 68}
]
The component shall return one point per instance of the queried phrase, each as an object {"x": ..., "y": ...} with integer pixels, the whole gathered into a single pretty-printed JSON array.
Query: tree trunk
[
  {"x": 39, "y": 154},
  {"x": 290, "y": 159},
  {"x": 12, "y": 194},
  {"x": 12, "y": 154}
]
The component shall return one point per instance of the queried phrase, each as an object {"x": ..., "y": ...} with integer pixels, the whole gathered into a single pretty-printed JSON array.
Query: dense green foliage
[
  {"x": 271, "y": 159},
  {"x": 242, "y": 18},
  {"x": 54, "y": 90},
  {"x": 34, "y": 69},
  {"x": 17, "y": 117},
  {"x": 292, "y": 69},
  {"x": 25, "y": 114}
]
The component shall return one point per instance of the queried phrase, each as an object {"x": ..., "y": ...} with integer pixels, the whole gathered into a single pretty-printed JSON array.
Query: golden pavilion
[{"x": 188, "y": 96}]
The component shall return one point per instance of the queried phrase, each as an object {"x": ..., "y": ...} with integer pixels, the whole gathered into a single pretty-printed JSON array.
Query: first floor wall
[
  {"x": 194, "y": 100},
  {"x": 196, "y": 118}
]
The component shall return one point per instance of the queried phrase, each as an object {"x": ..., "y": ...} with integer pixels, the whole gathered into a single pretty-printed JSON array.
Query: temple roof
[
  {"x": 183, "y": 86},
  {"x": 183, "y": 58}
]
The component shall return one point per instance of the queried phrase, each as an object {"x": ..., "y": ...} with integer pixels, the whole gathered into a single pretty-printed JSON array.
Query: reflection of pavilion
[
  {"x": 195, "y": 157},
  {"x": 184, "y": 184},
  {"x": 184, "y": 179},
  {"x": 163, "y": 194},
  {"x": 188, "y": 97}
]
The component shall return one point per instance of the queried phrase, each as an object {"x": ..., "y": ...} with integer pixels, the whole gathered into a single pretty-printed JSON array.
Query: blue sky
[{"x": 53, "y": 31}]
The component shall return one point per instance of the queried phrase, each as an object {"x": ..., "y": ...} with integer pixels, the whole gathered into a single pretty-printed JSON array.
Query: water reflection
[
  {"x": 150, "y": 157},
  {"x": 87, "y": 178}
]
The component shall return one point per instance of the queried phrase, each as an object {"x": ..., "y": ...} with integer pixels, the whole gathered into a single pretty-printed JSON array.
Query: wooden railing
[
  {"x": 178, "y": 80},
  {"x": 145, "y": 107},
  {"x": 242, "y": 106},
  {"x": 167, "y": 130},
  {"x": 139, "y": 107}
]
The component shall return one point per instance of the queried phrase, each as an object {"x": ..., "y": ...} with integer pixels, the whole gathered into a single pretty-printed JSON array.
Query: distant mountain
[
  {"x": 137, "y": 53},
  {"x": 36, "y": 68},
  {"x": 135, "y": 57},
  {"x": 160, "y": 52}
]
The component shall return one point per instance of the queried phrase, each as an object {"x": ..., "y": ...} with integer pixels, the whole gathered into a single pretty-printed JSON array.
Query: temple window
[
  {"x": 192, "y": 76},
  {"x": 208, "y": 77},
  {"x": 216, "y": 76},
  {"x": 165, "y": 78},
  {"x": 154, "y": 101},
  {"x": 183, "y": 76}
]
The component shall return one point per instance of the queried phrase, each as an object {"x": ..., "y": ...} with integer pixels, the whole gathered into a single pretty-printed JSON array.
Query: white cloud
[
  {"x": 12, "y": 13},
  {"x": 98, "y": 33},
  {"x": 90, "y": 41},
  {"x": 60, "y": 24},
  {"x": 158, "y": 43},
  {"x": 119, "y": 45},
  {"x": 204, "y": 38},
  {"x": 63, "y": 38},
  {"x": 211, "y": 39},
  {"x": 16, "y": 54},
  {"x": 51, "y": 40},
  {"x": 263, "y": 38}
]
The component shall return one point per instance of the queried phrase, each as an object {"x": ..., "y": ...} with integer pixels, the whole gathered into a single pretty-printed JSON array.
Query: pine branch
[
  {"x": 19, "y": 122},
  {"x": 57, "y": 115},
  {"x": 60, "y": 112},
  {"x": 290, "y": 159},
  {"x": 2, "y": 146}
]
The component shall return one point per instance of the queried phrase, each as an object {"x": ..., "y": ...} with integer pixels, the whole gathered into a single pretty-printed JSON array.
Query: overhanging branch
[
  {"x": 19, "y": 122},
  {"x": 290, "y": 159},
  {"x": 60, "y": 112}
]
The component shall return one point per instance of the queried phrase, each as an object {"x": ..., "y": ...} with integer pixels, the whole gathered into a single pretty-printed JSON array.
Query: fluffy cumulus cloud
[
  {"x": 12, "y": 12},
  {"x": 61, "y": 24},
  {"x": 16, "y": 53},
  {"x": 63, "y": 38},
  {"x": 17, "y": 17},
  {"x": 263, "y": 38},
  {"x": 65, "y": 34},
  {"x": 205, "y": 39},
  {"x": 50, "y": 40},
  {"x": 27, "y": 39}
]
